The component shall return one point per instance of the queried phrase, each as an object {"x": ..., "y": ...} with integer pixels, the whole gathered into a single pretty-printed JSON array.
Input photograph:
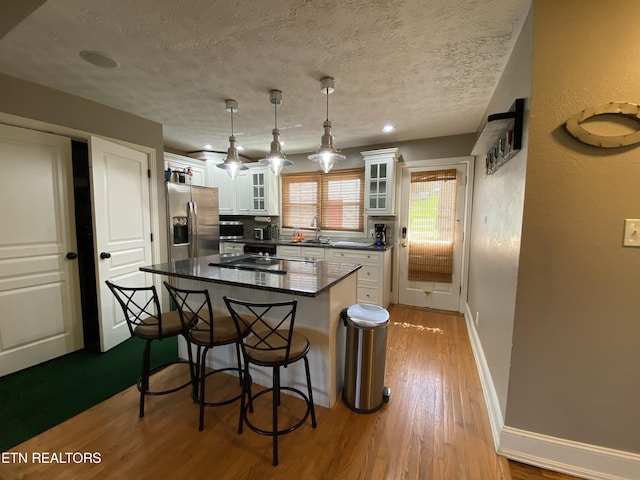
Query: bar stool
[
  {"x": 145, "y": 320},
  {"x": 207, "y": 331},
  {"x": 272, "y": 342}
]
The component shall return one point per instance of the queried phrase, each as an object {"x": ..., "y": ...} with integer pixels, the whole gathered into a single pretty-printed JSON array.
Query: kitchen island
[{"x": 322, "y": 289}]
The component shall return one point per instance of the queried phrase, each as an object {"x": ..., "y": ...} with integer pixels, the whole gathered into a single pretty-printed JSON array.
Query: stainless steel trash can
[{"x": 365, "y": 355}]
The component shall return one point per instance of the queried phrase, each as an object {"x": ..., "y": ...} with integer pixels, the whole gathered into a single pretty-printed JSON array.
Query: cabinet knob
[
  {"x": 105, "y": 255},
  {"x": 72, "y": 255}
]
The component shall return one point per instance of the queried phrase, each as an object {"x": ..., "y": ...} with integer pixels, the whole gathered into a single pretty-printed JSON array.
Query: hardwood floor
[{"x": 434, "y": 427}]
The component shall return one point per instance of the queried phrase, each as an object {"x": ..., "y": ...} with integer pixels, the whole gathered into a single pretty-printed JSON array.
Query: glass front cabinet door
[
  {"x": 258, "y": 197},
  {"x": 265, "y": 191},
  {"x": 380, "y": 168}
]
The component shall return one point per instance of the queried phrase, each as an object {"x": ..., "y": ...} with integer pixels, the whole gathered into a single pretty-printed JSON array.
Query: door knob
[
  {"x": 72, "y": 255},
  {"x": 105, "y": 255}
]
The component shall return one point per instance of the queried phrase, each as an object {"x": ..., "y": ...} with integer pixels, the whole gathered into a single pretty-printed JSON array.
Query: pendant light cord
[
  {"x": 275, "y": 111},
  {"x": 327, "y": 103}
]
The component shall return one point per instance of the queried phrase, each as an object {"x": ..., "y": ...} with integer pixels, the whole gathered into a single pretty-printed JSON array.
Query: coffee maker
[{"x": 380, "y": 234}]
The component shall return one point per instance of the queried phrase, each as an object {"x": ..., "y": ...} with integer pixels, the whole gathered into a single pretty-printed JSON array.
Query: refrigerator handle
[{"x": 193, "y": 229}]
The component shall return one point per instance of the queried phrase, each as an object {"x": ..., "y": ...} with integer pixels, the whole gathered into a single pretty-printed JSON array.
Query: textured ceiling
[{"x": 429, "y": 67}]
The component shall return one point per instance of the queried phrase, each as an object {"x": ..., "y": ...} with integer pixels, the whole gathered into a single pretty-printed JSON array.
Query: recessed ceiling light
[
  {"x": 207, "y": 147},
  {"x": 388, "y": 128},
  {"x": 98, "y": 59},
  {"x": 239, "y": 147}
]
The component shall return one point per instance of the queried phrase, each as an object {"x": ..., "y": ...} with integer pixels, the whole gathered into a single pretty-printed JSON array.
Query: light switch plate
[{"x": 631, "y": 232}]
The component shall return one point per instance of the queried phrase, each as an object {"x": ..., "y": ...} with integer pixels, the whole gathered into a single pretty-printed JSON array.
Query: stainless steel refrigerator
[{"x": 192, "y": 221}]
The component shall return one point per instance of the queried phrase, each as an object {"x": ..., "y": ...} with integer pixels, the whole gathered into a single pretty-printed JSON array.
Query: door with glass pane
[{"x": 431, "y": 230}]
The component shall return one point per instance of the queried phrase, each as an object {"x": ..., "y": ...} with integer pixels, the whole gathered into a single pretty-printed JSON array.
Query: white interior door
[
  {"x": 442, "y": 295},
  {"x": 122, "y": 226},
  {"x": 39, "y": 288}
]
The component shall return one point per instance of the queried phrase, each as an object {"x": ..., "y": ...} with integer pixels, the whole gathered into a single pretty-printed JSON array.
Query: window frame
[{"x": 321, "y": 203}]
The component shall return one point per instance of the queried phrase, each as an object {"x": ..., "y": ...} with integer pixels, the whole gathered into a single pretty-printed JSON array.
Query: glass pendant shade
[
  {"x": 232, "y": 164},
  {"x": 275, "y": 159},
  {"x": 326, "y": 155}
]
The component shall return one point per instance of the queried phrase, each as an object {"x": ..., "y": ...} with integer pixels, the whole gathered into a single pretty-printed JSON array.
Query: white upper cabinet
[
  {"x": 265, "y": 191},
  {"x": 179, "y": 166},
  {"x": 379, "y": 188},
  {"x": 255, "y": 191}
]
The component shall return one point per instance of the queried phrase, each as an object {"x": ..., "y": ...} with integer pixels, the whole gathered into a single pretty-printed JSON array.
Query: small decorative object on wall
[
  {"x": 631, "y": 110},
  {"x": 501, "y": 137}
]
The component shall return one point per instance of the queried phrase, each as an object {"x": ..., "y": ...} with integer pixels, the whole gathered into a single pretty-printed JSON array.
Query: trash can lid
[{"x": 366, "y": 315}]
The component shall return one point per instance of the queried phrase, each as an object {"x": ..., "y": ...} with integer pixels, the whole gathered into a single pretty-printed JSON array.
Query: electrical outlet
[
  {"x": 477, "y": 318},
  {"x": 631, "y": 232},
  {"x": 371, "y": 233}
]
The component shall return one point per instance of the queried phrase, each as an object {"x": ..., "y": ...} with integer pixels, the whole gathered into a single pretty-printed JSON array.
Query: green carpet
[{"x": 38, "y": 398}]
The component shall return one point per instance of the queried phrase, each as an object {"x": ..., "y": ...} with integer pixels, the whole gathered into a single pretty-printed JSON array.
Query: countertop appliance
[
  {"x": 231, "y": 230},
  {"x": 380, "y": 234},
  {"x": 260, "y": 234},
  {"x": 192, "y": 221}
]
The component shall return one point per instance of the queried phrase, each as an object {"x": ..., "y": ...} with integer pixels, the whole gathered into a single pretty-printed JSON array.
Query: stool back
[
  {"x": 141, "y": 309},
  {"x": 196, "y": 314},
  {"x": 271, "y": 328}
]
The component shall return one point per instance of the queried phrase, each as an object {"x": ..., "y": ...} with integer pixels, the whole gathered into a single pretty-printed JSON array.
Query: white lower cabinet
[
  {"x": 374, "y": 278},
  {"x": 231, "y": 247}
]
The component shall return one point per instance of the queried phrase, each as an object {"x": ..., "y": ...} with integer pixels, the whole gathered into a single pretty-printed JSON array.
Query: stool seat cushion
[
  {"x": 171, "y": 326},
  {"x": 224, "y": 331},
  {"x": 274, "y": 351}
]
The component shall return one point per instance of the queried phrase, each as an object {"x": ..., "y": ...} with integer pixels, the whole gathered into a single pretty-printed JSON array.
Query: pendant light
[
  {"x": 326, "y": 155},
  {"x": 232, "y": 164},
  {"x": 276, "y": 159}
]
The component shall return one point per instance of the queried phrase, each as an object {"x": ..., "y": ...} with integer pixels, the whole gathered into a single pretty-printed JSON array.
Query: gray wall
[
  {"x": 575, "y": 363},
  {"x": 496, "y": 225},
  {"x": 413, "y": 150},
  {"x": 35, "y": 102}
]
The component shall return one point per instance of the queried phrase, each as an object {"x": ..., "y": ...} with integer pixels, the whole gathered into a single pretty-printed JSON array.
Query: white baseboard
[
  {"x": 557, "y": 454},
  {"x": 566, "y": 456},
  {"x": 490, "y": 396}
]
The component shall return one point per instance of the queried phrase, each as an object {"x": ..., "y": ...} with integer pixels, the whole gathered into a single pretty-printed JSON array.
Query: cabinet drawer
[
  {"x": 355, "y": 256},
  {"x": 287, "y": 251},
  {"x": 228, "y": 247},
  {"x": 369, "y": 295},
  {"x": 312, "y": 253},
  {"x": 369, "y": 273}
]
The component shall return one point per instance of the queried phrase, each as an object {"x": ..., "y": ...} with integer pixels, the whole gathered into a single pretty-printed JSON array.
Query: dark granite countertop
[
  {"x": 307, "y": 278},
  {"x": 357, "y": 245}
]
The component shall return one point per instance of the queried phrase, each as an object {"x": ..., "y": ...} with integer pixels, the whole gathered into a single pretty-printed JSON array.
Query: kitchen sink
[{"x": 313, "y": 240}]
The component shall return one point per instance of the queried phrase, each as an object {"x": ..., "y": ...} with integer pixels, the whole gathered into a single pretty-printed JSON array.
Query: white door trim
[
  {"x": 469, "y": 162},
  {"x": 75, "y": 134}
]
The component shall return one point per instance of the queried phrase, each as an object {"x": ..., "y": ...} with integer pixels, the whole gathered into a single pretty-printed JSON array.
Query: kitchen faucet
[{"x": 315, "y": 224}]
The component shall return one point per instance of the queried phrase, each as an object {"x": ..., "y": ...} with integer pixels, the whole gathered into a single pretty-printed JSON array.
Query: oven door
[{"x": 260, "y": 249}]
